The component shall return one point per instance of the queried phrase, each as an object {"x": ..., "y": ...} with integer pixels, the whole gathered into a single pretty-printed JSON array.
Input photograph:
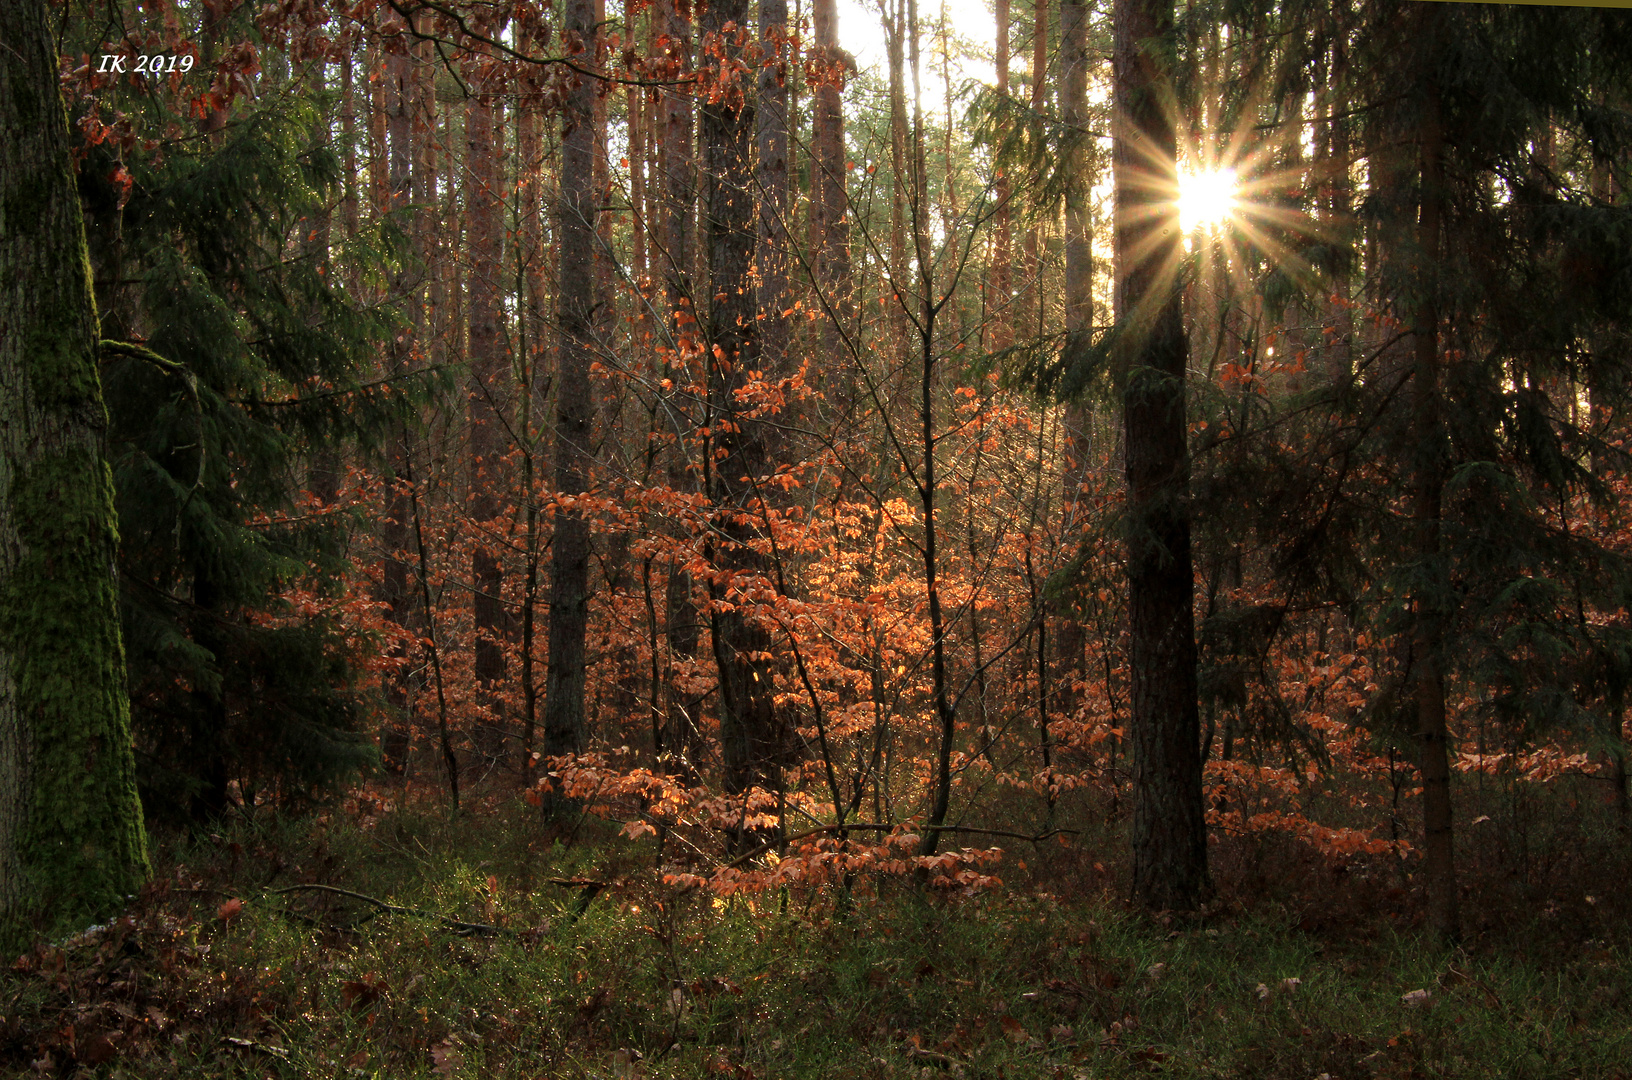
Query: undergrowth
[{"x": 488, "y": 946}]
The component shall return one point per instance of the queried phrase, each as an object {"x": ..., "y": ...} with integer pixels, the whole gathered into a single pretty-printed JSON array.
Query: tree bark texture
[
  {"x": 1169, "y": 826},
  {"x": 71, "y": 839},
  {"x": 1032, "y": 309},
  {"x": 574, "y": 410},
  {"x": 532, "y": 322},
  {"x": 753, "y": 738},
  {"x": 1428, "y": 677},
  {"x": 676, "y": 159},
  {"x": 677, "y": 183},
  {"x": 1079, "y": 302},
  {"x": 771, "y": 116},
  {"x": 999, "y": 290},
  {"x": 829, "y": 189},
  {"x": 490, "y": 377},
  {"x": 394, "y": 587},
  {"x": 635, "y": 107},
  {"x": 899, "y": 321}
]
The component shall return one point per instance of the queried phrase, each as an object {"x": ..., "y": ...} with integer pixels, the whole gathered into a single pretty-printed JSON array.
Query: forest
[{"x": 672, "y": 538}]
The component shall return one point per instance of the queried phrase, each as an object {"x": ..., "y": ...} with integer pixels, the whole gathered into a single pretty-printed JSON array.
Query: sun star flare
[{"x": 1207, "y": 200}]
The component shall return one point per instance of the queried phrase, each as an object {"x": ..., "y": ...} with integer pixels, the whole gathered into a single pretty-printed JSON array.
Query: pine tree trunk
[
  {"x": 678, "y": 163},
  {"x": 348, "y": 140},
  {"x": 1032, "y": 310},
  {"x": 949, "y": 186},
  {"x": 899, "y": 313},
  {"x": 998, "y": 294},
  {"x": 489, "y": 389},
  {"x": 772, "y": 181},
  {"x": 379, "y": 177},
  {"x": 569, "y": 572},
  {"x": 605, "y": 310},
  {"x": 1169, "y": 828},
  {"x": 753, "y": 740},
  {"x": 678, "y": 169},
  {"x": 394, "y": 588},
  {"x": 1336, "y": 206},
  {"x": 1427, "y": 633},
  {"x": 1079, "y": 266},
  {"x": 634, "y": 105},
  {"x": 325, "y": 466},
  {"x": 1079, "y": 302},
  {"x": 532, "y": 323},
  {"x": 71, "y": 840},
  {"x": 830, "y": 199}
]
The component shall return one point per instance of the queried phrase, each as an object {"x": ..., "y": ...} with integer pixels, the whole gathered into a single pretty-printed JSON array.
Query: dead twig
[
  {"x": 250, "y": 1044},
  {"x": 460, "y": 927}
]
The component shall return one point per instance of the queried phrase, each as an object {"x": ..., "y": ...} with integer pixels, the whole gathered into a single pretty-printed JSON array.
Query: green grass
[{"x": 310, "y": 984}]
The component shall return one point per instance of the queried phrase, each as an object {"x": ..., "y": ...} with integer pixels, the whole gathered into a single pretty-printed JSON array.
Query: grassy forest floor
[{"x": 230, "y": 965}]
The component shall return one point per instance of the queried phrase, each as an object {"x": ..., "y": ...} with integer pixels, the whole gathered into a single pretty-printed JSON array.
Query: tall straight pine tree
[{"x": 1169, "y": 824}]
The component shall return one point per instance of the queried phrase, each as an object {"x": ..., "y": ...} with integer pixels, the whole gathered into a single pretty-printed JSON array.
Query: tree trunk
[
  {"x": 394, "y": 590},
  {"x": 678, "y": 165},
  {"x": 998, "y": 294},
  {"x": 927, "y": 481},
  {"x": 348, "y": 141},
  {"x": 634, "y": 105},
  {"x": 1427, "y": 632},
  {"x": 898, "y": 320},
  {"x": 678, "y": 169},
  {"x": 772, "y": 173},
  {"x": 1032, "y": 249},
  {"x": 490, "y": 378},
  {"x": 1169, "y": 827},
  {"x": 532, "y": 322},
  {"x": 829, "y": 197},
  {"x": 1336, "y": 206},
  {"x": 753, "y": 740},
  {"x": 71, "y": 840},
  {"x": 1079, "y": 300},
  {"x": 569, "y": 575},
  {"x": 379, "y": 177},
  {"x": 605, "y": 310}
]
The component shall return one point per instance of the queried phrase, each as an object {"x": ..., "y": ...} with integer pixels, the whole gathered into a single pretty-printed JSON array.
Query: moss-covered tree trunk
[{"x": 71, "y": 840}]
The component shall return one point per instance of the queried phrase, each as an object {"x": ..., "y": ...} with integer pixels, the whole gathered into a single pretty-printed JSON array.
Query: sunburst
[
  {"x": 1239, "y": 200},
  {"x": 1244, "y": 190},
  {"x": 1207, "y": 199}
]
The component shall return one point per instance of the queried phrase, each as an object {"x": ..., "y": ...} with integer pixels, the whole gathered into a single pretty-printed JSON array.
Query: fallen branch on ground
[{"x": 457, "y": 925}]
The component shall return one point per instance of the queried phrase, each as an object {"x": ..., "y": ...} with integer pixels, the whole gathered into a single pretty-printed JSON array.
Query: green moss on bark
[
  {"x": 62, "y": 371},
  {"x": 71, "y": 839},
  {"x": 80, "y": 846}
]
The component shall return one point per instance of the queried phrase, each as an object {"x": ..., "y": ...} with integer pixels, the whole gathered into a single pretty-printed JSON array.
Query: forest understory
[{"x": 524, "y": 949}]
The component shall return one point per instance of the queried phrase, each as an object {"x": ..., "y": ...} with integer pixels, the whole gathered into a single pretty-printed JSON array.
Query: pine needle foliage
[
  {"x": 258, "y": 341},
  {"x": 1307, "y": 478}
]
